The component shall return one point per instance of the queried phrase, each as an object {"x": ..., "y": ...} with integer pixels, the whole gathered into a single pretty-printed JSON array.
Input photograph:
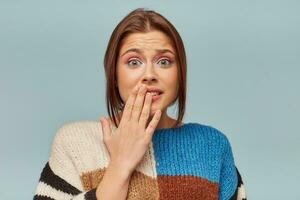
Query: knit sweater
[{"x": 192, "y": 161}]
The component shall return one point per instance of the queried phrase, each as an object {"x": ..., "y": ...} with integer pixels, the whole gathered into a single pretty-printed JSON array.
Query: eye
[
  {"x": 164, "y": 62},
  {"x": 134, "y": 62}
]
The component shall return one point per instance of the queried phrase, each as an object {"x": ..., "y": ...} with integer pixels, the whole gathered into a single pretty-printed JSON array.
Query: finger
[
  {"x": 129, "y": 105},
  {"x": 138, "y": 104},
  {"x": 146, "y": 110},
  {"x": 153, "y": 123},
  {"x": 105, "y": 129}
]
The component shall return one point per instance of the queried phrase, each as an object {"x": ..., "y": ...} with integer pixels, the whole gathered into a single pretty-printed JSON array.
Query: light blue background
[{"x": 243, "y": 78}]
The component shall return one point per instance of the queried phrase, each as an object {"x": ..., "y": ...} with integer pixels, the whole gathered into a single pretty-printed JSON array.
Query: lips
[{"x": 154, "y": 91}]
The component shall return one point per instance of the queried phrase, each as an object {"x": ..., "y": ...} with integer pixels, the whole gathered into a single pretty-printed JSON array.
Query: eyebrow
[{"x": 141, "y": 51}]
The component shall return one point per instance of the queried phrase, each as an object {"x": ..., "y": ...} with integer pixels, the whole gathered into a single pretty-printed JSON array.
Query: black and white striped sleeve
[
  {"x": 240, "y": 193},
  {"x": 52, "y": 187}
]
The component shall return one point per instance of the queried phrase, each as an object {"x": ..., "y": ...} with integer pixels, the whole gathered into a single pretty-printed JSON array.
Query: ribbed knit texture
[{"x": 193, "y": 161}]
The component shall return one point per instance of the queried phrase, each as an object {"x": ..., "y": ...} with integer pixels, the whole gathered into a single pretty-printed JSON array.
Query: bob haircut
[{"x": 141, "y": 21}]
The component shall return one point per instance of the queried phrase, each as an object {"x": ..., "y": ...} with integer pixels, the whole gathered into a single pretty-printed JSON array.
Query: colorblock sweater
[{"x": 189, "y": 162}]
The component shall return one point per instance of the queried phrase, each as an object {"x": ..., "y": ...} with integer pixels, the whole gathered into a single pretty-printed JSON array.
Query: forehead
[{"x": 148, "y": 41}]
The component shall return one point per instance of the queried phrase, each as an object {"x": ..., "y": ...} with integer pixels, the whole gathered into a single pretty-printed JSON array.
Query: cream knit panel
[
  {"x": 60, "y": 160},
  {"x": 78, "y": 148}
]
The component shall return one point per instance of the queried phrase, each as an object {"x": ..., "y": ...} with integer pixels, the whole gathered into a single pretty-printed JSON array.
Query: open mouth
[
  {"x": 156, "y": 96},
  {"x": 155, "y": 93}
]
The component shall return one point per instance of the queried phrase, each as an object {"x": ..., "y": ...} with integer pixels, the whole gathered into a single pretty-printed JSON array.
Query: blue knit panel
[{"x": 192, "y": 149}]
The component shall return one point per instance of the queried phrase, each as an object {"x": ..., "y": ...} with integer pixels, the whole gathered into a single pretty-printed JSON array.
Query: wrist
[{"x": 119, "y": 169}]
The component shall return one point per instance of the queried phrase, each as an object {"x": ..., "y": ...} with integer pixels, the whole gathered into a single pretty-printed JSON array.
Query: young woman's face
[{"x": 148, "y": 58}]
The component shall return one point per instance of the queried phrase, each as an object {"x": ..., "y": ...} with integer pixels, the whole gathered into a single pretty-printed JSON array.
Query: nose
[{"x": 149, "y": 74}]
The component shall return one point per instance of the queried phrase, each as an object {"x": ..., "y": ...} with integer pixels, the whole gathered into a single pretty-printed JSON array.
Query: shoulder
[
  {"x": 80, "y": 143},
  {"x": 72, "y": 133},
  {"x": 211, "y": 134}
]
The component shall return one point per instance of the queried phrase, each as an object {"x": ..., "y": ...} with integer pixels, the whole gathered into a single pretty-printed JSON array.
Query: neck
[{"x": 165, "y": 121}]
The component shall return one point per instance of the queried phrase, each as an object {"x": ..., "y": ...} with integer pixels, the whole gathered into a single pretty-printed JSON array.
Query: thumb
[{"x": 105, "y": 129}]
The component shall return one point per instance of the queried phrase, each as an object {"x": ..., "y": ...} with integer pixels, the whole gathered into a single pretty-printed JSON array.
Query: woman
[{"x": 139, "y": 152}]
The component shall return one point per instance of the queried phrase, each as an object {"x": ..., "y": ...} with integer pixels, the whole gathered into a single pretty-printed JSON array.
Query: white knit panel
[
  {"x": 83, "y": 143},
  {"x": 60, "y": 160}
]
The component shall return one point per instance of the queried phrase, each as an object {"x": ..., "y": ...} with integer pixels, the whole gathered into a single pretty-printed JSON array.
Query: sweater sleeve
[
  {"x": 239, "y": 193},
  {"x": 231, "y": 186},
  {"x": 53, "y": 187},
  {"x": 59, "y": 179}
]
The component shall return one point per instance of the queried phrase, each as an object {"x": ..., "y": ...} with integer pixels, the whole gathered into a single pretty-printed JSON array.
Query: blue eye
[
  {"x": 164, "y": 62},
  {"x": 134, "y": 62}
]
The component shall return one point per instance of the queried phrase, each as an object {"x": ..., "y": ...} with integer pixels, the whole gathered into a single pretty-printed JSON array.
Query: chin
[
  {"x": 154, "y": 109},
  {"x": 152, "y": 112}
]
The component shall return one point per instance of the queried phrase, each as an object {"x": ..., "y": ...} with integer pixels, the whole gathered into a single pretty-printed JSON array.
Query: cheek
[
  {"x": 126, "y": 82},
  {"x": 174, "y": 89},
  {"x": 124, "y": 89},
  {"x": 171, "y": 80}
]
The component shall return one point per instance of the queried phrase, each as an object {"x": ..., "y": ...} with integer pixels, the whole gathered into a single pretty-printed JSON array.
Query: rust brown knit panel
[
  {"x": 141, "y": 187},
  {"x": 187, "y": 188}
]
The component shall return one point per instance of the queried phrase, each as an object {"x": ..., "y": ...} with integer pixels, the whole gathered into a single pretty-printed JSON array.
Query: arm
[{"x": 114, "y": 184}]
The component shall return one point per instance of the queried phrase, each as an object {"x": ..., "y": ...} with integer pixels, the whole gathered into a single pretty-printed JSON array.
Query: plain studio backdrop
[{"x": 243, "y": 79}]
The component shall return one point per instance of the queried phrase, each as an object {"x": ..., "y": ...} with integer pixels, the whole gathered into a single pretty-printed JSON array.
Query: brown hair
[{"x": 141, "y": 20}]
